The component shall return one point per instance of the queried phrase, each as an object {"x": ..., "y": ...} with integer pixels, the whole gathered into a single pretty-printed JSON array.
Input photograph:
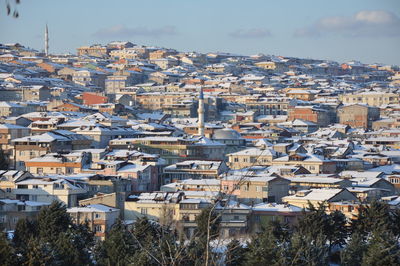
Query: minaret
[
  {"x": 201, "y": 113},
  {"x": 46, "y": 41}
]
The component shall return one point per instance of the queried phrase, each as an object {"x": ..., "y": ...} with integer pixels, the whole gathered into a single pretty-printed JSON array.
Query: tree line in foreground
[{"x": 317, "y": 239}]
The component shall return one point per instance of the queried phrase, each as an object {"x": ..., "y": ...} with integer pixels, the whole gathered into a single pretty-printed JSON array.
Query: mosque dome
[{"x": 226, "y": 133}]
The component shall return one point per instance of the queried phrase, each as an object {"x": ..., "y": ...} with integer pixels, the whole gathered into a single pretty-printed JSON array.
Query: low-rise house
[
  {"x": 254, "y": 189},
  {"x": 250, "y": 157},
  {"x": 234, "y": 218},
  {"x": 263, "y": 213},
  {"x": 11, "y": 211},
  {"x": 9, "y": 132},
  {"x": 30, "y": 147},
  {"x": 48, "y": 190},
  {"x": 318, "y": 196},
  {"x": 213, "y": 185},
  {"x": 100, "y": 218},
  {"x": 316, "y": 181},
  {"x": 8, "y": 178},
  {"x": 313, "y": 163},
  {"x": 60, "y": 164},
  {"x": 387, "y": 188}
]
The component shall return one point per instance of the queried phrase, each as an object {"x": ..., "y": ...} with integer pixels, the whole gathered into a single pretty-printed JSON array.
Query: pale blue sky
[{"x": 366, "y": 30}]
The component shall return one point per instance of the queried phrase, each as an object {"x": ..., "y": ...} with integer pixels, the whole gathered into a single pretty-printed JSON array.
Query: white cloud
[
  {"x": 120, "y": 31},
  {"x": 366, "y": 23},
  {"x": 256, "y": 33}
]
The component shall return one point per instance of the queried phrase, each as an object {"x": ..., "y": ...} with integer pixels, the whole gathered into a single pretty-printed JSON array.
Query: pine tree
[
  {"x": 70, "y": 249},
  {"x": 383, "y": 249},
  {"x": 335, "y": 229},
  {"x": 235, "y": 253},
  {"x": 24, "y": 230},
  {"x": 314, "y": 222},
  {"x": 266, "y": 248},
  {"x": 7, "y": 256},
  {"x": 208, "y": 219},
  {"x": 309, "y": 250},
  {"x": 118, "y": 248},
  {"x": 353, "y": 253},
  {"x": 38, "y": 253},
  {"x": 208, "y": 228},
  {"x": 375, "y": 217},
  {"x": 53, "y": 220},
  {"x": 3, "y": 161}
]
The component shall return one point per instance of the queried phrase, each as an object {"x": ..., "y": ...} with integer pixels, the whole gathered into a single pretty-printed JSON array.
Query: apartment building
[
  {"x": 371, "y": 98},
  {"x": 49, "y": 189},
  {"x": 358, "y": 115},
  {"x": 100, "y": 218}
]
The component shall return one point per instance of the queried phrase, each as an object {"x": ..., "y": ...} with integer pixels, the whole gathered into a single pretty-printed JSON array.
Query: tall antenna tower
[{"x": 46, "y": 41}]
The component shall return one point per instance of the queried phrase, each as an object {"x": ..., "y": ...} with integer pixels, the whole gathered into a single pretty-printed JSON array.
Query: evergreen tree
[
  {"x": 7, "y": 256},
  {"x": 24, "y": 230},
  {"x": 309, "y": 250},
  {"x": 3, "y": 161},
  {"x": 208, "y": 228},
  {"x": 375, "y": 217},
  {"x": 208, "y": 219},
  {"x": 38, "y": 253},
  {"x": 235, "y": 253},
  {"x": 53, "y": 220},
  {"x": 118, "y": 248},
  {"x": 314, "y": 222},
  {"x": 70, "y": 249},
  {"x": 267, "y": 248},
  {"x": 383, "y": 249},
  {"x": 335, "y": 229},
  {"x": 353, "y": 253}
]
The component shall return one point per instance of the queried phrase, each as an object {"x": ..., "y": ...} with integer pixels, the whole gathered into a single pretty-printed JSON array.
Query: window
[
  {"x": 245, "y": 188},
  {"x": 236, "y": 218},
  {"x": 35, "y": 186},
  {"x": 98, "y": 228},
  {"x": 143, "y": 211},
  {"x": 8, "y": 189},
  {"x": 33, "y": 197},
  {"x": 39, "y": 171},
  {"x": 258, "y": 188},
  {"x": 236, "y": 159},
  {"x": 97, "y": 215},
  {"x": 226, "y": 188},
  {"x": 58, "y": 171}
]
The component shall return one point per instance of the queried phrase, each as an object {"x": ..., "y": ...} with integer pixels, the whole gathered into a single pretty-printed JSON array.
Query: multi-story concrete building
[
  {"x": 371, "y": 98},
  {"x": 90, "y": 77},
  {"x": 48, "y": 190},
  {"x": 8, "y": 132},
  {"x": 174, "y": 149},
  {"x": 250, "y": 157},
  {"x": 193, "y": 170},
  {"x": 358, "y": 115},
  {"x": 94, "y": 50},
  {"x": 316, "y": 115},
  {"x": 30, "y": 147},
  {"x": 254, "y": 189},
  {"x": 100, "y": 218},
  {"x": 122, "y": 79}
]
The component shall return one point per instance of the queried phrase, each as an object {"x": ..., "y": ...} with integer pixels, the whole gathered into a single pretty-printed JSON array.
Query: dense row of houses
[{"x": 121, "y": 131}]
